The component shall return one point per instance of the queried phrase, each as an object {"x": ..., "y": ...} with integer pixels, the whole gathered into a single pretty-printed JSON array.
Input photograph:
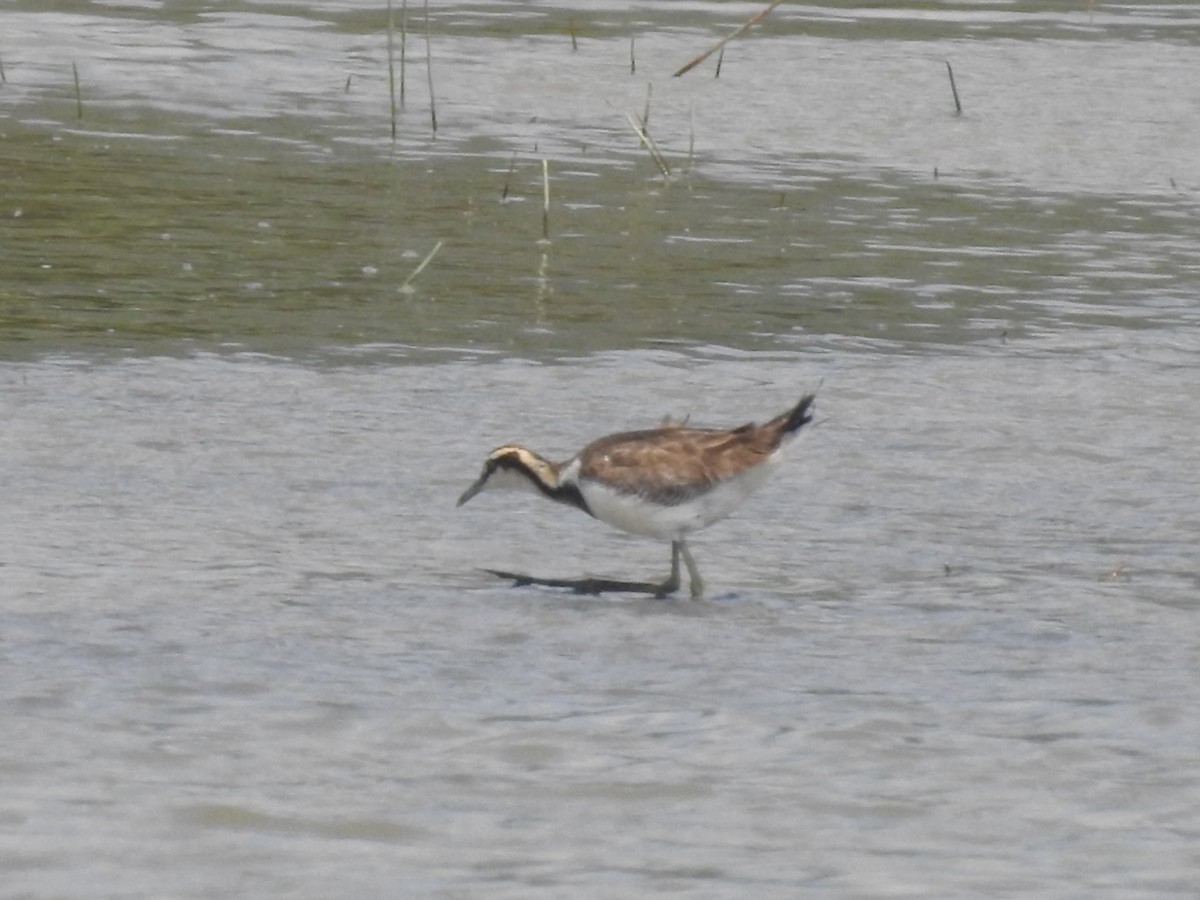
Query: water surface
[{"x": 247, "y": 645}]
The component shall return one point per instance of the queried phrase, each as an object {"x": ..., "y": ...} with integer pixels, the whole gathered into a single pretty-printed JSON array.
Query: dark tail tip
[{"x": 801, "y": 415}]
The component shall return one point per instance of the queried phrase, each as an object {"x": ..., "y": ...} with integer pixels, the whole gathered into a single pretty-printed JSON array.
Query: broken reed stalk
[
  {"x": 571, "y": 30},
  {"x": 954, "y": 90},
  {"x": 650, "y": 145},
  {"x": 391, "y": 32},
  {"x": 646, "y": 114},
  {"x": 745, "y": 26},
  {"x": 429, "y": 71},
  {"x": 508, "y": 178},
  {"x": 632, "y": 58},
  {"x": 78, "y": 92},
  {"x": 720, "y": 59},
  {"x": 545, "y": 200},
  {"x": 406, "y": 287}
]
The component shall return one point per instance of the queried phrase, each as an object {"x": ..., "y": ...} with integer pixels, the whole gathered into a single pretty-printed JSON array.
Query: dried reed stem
[
  {"x": 429, "y": 71},
  {"x": 78, "y": 92},
  {"x": 403, "y": 45},
  {"x": 745, "y": 26},
  {"x": 421, "y": 268},
  {"x": 508, "y": 178},
  {"x": 545, "y": 199},
  {"x": 391, "y": 32},
  {"x": 954, "y": 90},
  {"x": 650, "y": 145}
]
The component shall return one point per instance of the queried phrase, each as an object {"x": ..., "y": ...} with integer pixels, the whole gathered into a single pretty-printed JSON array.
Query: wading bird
[{"x": 664, "y": 483}]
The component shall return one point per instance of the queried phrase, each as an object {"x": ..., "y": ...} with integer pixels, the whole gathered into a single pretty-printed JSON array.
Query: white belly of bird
[{"x": 637, "y": 515}]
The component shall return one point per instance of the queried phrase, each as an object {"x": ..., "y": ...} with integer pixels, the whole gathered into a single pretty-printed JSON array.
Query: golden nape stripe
[{"x": 664, "y": 483}]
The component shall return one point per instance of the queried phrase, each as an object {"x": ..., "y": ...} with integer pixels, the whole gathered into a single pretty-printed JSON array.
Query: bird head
[{"x": 513, "y": 467}]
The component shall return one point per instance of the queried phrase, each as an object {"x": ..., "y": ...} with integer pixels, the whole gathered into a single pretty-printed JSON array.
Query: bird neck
[
  {"x": 569, "y": 494},
  {"x": 547, "y": 479}
]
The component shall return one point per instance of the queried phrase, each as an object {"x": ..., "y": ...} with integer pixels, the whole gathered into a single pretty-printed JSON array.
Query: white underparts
[{"x": 639, "y": 515}]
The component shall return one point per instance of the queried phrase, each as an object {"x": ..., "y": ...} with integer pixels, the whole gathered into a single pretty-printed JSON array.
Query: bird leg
[
  {"x": 678, "y": 547},
  {"x": 671, "y": 585}
]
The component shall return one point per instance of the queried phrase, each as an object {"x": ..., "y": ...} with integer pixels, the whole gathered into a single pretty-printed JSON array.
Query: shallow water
[
  {"x": 952, "y": 648},
  {"x": 246, "y": 642}
]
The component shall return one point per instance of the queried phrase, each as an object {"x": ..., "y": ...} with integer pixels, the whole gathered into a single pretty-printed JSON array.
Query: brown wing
[{"x": 673, "y": 463}]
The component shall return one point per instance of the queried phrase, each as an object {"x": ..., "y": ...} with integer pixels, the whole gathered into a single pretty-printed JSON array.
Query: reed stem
[
  {"x": 78, "y": 92},
  {"x": 403, "y": 45},
  {"x": 954, "y": 90},
  {"x": 429, "y": 71},
  {"x": 391, "y": 31},
  {"x": 545, "y": 199},
  {"x": 745, "y": 26},
  {"x": 650, "y": 145},
  {"x": 421, "y": 268},
  {"x": 512, "y": 162}
]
